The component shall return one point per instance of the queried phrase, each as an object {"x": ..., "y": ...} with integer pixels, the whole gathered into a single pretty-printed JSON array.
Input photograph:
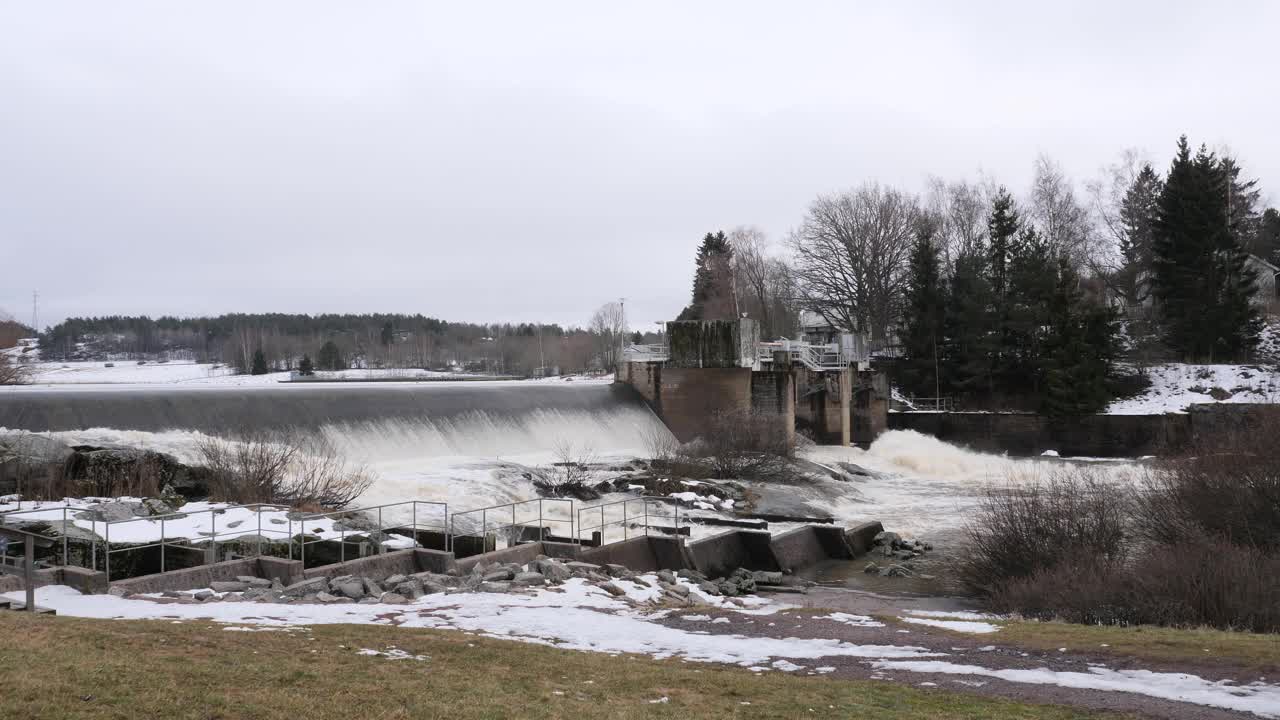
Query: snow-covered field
[
  {"x": 1176, "y": 386},
  {"x": 583, "y": 617},
  {"x": 129, "y": 372}
]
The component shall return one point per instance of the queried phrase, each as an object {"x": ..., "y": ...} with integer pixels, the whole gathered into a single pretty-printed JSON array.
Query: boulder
[
  {"x": 612, "y": 589},
  {"x": 306, "y": 587},
  {"x": 498, "y": 575},
  {"x": 202, "y": 595},
  {"x": 353, "y": 589},
  {"x": 709, "y": 587},
  {"x": 615, "y": 570},
  {"x": 766, "y": 577},
  {"x": 393, "y": 599},
  {"x": 112, "y": 511},
  {"x": 577, "y": 566},
  {"x": 529, "y": 578},
  {"x": 371, "y": 587},
  {"x": 871, "y": 568},
  {"x": 886, "y": 538},
  {"x": 325, "y": 597},
  {"x": 667, "y": 576},
  {"x": 553, "y": 570},
  {"x": 394, "y": 580},
  {"x": 226, "y": 586},
  {"x": 495, "y": 587}
]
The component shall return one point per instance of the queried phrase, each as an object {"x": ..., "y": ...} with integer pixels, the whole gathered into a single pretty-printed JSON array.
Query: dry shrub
[
  {"x": 568, "y": 475},
  {"x": 1024, "y": 530},
  {"x": 1227, "y": 485},
  {"x": 11, "y": 373},
  {"x": 284, "y": 469}
]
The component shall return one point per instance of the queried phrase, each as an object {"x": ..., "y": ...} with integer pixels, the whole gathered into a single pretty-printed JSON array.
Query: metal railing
[
  {"x": 630, "y": 519},
  {"x": 507, "y": 523},
  {"x": 418, "y": 511},
  {"x": 929, "y": 404}
]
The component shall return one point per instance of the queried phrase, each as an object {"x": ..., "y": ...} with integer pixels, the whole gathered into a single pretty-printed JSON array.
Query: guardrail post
[
  {"x": 302, "y": 540},
  {"x": 342, "y": 544},
  {"x": 29, "y": 573},
  {"x": 162, "y": 544},
  {"x": 381, "y": 531},
  {"x": 601, "y": 526},
  {"x": 415, "y": 524},
  {"x": 259, "y": 531},
  {"x": 65, "y": 555},
  {"x": 542, "y": 530},
  {"x": 511, "y": 542},
  {"x": 107, "y": 554},
  {"x": 211, "y": 556},
  {"x": 484, "y": 532}
]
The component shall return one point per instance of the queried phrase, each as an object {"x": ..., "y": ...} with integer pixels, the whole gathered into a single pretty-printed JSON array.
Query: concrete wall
[
  {"x": 398, "y": 562},
  {"x": 870, "y": 414},
  {"x": 860, "y": 537},
  {"x": 823, "y": 403},
  {"x": 721, "y": 554},
  {"x": 642, "y": 554},
  {"x": 712, "y": 343},
  {"x": 190, "y": 578},
  {"x": 774, "y": 393},
  {"x": 688, "y": 397}
]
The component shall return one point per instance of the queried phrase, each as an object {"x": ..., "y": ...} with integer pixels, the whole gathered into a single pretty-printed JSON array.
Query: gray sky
[{"x": 522, "y": 161}]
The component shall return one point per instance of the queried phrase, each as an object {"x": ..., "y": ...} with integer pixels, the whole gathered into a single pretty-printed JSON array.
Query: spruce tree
[
  {"x": 1138, "y": 213},
  {"x": 970, "y": 327},
  {"x": 1268, "y": 245},
  {"x": 1200, "y": 276},
  {"x": 1018, "y": 367},
  {"x": 259, "y": 366},
  {"x": 330, "y": 358},
  {"x": 1080, "y": 348},
  {"x": 712, "y": 281},
  {"x": 925, "y": 315},
  {"x": 1002, "y": 228},
  {"x": 306, "y": 368}
]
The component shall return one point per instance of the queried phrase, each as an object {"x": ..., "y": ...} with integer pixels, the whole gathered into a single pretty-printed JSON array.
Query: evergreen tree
[
  {"x": 1200, "y": 275},
  {"x": 330, "y": 358},
  {"x": 925, "y": 312},
  {"x": 1268, "y": 244},
  {"x": 388, "y": 334},
  {"x": 970, "y": 326},
  {"x": 637, "y": 338},
  {"x": 1002, "y": 228},
  {"x": 1242, "y": 206},
  {"x": 1080, "y": 347},
  {"x": 305, "y": 368},
  {"x": 259, "y": 363},
  {"x": 1138, "y": 213},
  {"x": 1018, "y": 365},
  {"x": 713, "y": 297}
]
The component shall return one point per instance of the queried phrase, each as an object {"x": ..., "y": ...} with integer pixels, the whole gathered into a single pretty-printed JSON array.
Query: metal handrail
[
  {"x": 342, "y": 540},
  {"x": 483, "y": 532},
  {"x": 638, "y": 520}
]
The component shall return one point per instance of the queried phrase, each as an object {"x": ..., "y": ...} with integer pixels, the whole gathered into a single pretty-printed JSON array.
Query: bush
[
  {"x": 568, "y": 475},
  {"x": 1021, "y": 531},
  {"x": 11, "y": 373},
  {"x": 1227, "y": 485},
  {"x": 283, "y": 469},
  {"x": 744, "y": 444}
]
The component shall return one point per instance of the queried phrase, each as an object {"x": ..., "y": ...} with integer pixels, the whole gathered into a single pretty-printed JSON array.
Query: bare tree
[
  {"x": 11, "y": 373},
  {"x": 281, "y": 469},
  {"x": 1107, "y": 194},
  {"x": 851, "y": 255},
  {"x": 1062, "y": 220},
  {"x": 764, "y": 283},
  {"x": 608, "y": 328},
  {"x": 960, "y": 211}
]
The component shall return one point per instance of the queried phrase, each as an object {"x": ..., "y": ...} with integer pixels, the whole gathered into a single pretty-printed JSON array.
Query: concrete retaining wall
[
  {"x": 190, "y": 578},
  {"x": 807, "y": 545},
  {"x": 721, "y": 554},
  {"x": 860, "y": 537},
  {"x": 642, "y": 554},
  {"x": 1030, "y": 434}
]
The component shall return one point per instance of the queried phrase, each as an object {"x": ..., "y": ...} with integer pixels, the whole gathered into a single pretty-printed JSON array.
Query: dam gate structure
[{"x": 717, "y": 366}]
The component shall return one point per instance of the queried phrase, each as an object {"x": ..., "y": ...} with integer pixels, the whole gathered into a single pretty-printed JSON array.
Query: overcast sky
[{"x": 531, "y": 160}]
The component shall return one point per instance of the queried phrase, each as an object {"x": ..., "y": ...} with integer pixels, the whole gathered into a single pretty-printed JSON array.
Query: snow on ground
[
  {"x": 1176, "y": 386},
  {"x": 1258, "y": 698},
  {"x": 580, "y": 616},
  {"x": 129, "y": 372}
]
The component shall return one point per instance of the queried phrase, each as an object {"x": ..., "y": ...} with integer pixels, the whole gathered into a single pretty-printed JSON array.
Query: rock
[
  {"x": 727, "y": 588},
  {"x": 112, "y": 511},
  {"x": 202, "y": 595},
  {"x": 896, "y": 571},
  {"x": 325, "y": 597},
  {"x": 157, "y": 506},
  {"x": 529, "y": 578},
  {"x": 766, "y": 577},
  {"x": 667, "y": 576},
  {"x": 709, "y": 588},
  {"x": 615, "y": 570},
  {"x": 871, "y": 568},
  {"x": 886, "y": 550},
  {"x": 680, "y": 590},
  {"x": 254, "y": 593},
  {"x": 693, "y": 575},
  {"x": 276, "y": 585},
  {"x": 226, "y": 586},
  {"x": 499, "y": 575},
  {"x": 886, "y": 538},
  {"x": 495, "y": 587},
  {"x": 368, "y": 601},
  {"x": 394, "y": 580},
  {"x": 371, "y": 587},
  {"x": 612, "y": 589},
  {"x": 306, "y": 587},
  {"x": 576, "y": 566},
  {"x": 393, "y": 599},
  {"x": 119, "y": 592},
  {"x": 431, "y": 588},
  {"x": 553, "y": 570},
  {"x": 353, "y": 589},
  {"x": 409, "y": 588}
]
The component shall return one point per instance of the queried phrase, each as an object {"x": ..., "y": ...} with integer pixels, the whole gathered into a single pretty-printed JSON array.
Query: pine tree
[
  {"x": 1200, "y": 275},
  {"x": 306, "y": 368},
  {"x": 1138, "y": 213},
  {"x": 1268, "y": 245},
  {"x": 970, "y": 327},
  {"x": 713, "y": 297},
  {"x": 1002, "y": 229},
  {"x": 1018, "y": 367},
  {"x": 259, "y": 366},
  {"x": 1080, "y": 347},
  {"x": 330, "y": 358},
  {"x": 925, "y": 315}
]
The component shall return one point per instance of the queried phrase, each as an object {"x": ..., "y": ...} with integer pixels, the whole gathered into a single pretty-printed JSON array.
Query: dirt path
[{"x": 986, "y": 651}]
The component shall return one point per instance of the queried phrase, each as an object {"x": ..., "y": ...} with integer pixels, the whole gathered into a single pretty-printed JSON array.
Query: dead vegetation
[{"x": 285, "y": 469}]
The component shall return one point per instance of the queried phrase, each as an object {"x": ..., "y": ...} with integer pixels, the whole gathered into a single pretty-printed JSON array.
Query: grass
[
  {"x": 1240, "y": 650},
  {"x": 75, "y": 668}
]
